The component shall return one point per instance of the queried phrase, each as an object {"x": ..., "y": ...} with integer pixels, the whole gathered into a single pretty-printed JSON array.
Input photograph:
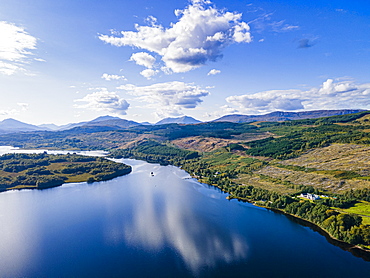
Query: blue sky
[{"x": 69, "y": 61}]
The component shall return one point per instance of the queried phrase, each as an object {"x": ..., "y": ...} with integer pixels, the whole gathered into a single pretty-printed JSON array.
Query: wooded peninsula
[{"x": 40, "y": 171}]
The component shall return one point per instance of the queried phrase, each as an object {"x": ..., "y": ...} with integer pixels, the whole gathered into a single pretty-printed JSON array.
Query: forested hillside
[{"x": 155, "y": 152}]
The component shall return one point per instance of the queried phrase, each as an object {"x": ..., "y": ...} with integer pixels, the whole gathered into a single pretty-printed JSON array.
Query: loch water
[{"x": 161, "y": 225}]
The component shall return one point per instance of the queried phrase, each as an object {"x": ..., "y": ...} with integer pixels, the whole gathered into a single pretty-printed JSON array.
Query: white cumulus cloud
[
  {"x": 149, "y": 73},
  {"x": 103, "y": 100},
  {"x": 330, "y": 95},
  {"x": 110, "y": 77},
  {"x": 213, "y": 72},
  {"x": 169, "y": 97},
  {"x": 15, "y": 46},
  {"x": 200, "y": 34},
  {"x": 143, "y": 59}
]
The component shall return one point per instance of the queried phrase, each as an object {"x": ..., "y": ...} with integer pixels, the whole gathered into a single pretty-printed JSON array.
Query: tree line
[
  {"x": 155, "y": 152},
  {"x": 44, "y": 170},
  {"x": 343, "y": 226}
]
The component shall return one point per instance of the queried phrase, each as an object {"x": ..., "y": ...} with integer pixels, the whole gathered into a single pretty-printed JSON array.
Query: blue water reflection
[
  {"x": 162, "y": 214},
  {"x": 166, "y": 225}
]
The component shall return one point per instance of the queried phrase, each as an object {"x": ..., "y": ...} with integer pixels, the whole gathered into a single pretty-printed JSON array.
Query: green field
[{"x": 362, "y": 208}]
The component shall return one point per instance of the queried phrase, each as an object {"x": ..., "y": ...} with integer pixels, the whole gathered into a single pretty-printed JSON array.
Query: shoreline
[
  {"x": 32, "y": 187},
  {"x": 355, "y": 250},
  {"x": 57, "y": 168},
  {"x": 57, "y": 185}
]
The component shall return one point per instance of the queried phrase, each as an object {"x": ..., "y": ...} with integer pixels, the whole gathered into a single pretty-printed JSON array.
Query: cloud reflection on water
[
  {"x": 166, "y": 214},
  {"x": 20, "y": 247}
]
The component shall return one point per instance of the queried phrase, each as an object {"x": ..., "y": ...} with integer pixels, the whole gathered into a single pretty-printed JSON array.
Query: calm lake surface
[{"x": 166, "y": 225}]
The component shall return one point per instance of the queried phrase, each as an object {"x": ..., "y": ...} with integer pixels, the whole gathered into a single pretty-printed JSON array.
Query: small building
[{"x": 310, "y": 196}]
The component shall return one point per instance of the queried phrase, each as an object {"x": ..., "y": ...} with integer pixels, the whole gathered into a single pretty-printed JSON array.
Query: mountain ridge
[
  {"x": 279, "y": 116},
  {"x": 11, "y": 125},
  {"x": 179, "y": 120}
]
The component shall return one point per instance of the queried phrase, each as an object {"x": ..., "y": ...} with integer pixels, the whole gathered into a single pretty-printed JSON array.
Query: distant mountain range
[
  {"x": 182, "y": 120},
  {"x": 93, "y": 122},
  {"x": 279, "y": 116},
  {"x": 112, "y": 123},
  {"x": 11, "y": 125}
]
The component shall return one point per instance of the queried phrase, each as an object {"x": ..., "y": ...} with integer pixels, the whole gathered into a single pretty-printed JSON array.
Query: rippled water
[{"x": 166, "y": 225}]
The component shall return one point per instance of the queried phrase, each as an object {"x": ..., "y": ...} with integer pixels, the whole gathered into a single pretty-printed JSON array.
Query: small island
[{"x": 40, "y": 171}]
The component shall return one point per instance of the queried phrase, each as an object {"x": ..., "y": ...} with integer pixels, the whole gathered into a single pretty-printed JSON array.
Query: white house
[{"x": 310, "y": 196}]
